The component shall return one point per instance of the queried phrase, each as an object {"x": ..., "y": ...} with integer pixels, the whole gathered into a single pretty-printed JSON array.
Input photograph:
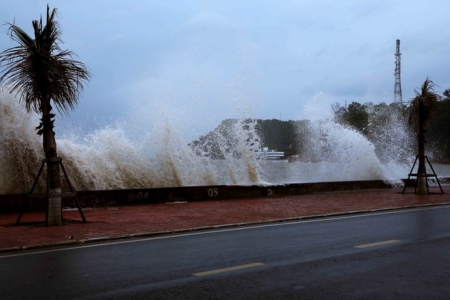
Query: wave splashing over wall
[
  {"x": 333, "y": 152},
  {"x": 108, "y": 159}
]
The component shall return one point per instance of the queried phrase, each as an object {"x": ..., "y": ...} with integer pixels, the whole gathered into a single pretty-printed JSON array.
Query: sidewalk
[{"x": 152, "y": 219}]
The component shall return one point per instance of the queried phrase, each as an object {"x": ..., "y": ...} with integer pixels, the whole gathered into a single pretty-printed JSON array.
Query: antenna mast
[{"x": 398, "y": 83}]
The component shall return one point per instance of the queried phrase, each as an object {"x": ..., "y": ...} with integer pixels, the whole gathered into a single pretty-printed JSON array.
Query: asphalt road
[{"x": 395, "y": 255}]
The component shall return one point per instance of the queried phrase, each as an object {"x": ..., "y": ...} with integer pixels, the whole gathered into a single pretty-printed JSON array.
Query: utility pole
[{"x": 398, "y": 83}]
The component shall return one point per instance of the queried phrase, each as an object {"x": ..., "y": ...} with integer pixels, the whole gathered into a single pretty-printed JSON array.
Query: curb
[
  {"x": 10, "y": 203},
  {"x": 205, "y": 228}
]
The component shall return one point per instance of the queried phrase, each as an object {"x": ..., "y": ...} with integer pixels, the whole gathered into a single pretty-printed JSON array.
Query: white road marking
[
  {"x": 377, "y": 244},
  {"x": 171, "y": 236},
  {"x": 235, "y": 268}
]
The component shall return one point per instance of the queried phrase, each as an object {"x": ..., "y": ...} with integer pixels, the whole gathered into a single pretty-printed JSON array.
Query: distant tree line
[
  {"x": 438, "y": 133},
  {"x": 372, "y": 120},
  {"x": 274, "y": 134},
  {"x": 385, "y": 125},
  {"x": 280, "y": 135}
]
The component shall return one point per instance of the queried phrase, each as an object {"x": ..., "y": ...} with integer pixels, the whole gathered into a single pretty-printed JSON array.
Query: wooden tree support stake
[
  {"x": 47, "y": 195},
  {"x": 422, "y": 175}
]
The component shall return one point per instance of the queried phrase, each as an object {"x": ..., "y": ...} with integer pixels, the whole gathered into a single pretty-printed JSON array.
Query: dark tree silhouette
[
  {"x": 422, "y": 109},
  {"x": 40, "y": 73}
]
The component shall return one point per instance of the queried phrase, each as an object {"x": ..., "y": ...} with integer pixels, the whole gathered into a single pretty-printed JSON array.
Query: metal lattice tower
[{"x": 398, "y": 83}]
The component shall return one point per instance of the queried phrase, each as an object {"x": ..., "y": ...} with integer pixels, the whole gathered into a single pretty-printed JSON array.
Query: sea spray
[
  {"x": 156, "y": 153},
  {"x": 392, "y": 137},
  {"x": 333, "y": 152},
  {"x": 175, "y": 161},
  {"x": 342, "y": 150},
  {"x": 247, "y": 142},
  {"x": 108, "y": 159},
  {"x": 20, "y": 148},
  {"x": 232, "y": 149}
]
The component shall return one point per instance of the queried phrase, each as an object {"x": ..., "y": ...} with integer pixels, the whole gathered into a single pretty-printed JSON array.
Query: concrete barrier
[{"x": 100, "y": 198}]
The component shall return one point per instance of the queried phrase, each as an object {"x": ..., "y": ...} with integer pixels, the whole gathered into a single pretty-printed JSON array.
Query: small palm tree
[
  {"x": 422, "y": 109},
  {"x": 42, "y": 74}
]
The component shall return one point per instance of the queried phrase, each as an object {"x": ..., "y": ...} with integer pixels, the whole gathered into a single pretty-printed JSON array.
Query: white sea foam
[
  {"x": 333, "y": 152},
  {"x": 108, "y": 159}
]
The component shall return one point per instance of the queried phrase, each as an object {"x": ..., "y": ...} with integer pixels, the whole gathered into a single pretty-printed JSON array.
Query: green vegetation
[
  {"x": 279, "y": 135},
  {"x": 274, "y": 134},
  {"x": 439, "y": 130},
  {"x": 355, "y": 115},
  {"x": 383, "y": 124}
]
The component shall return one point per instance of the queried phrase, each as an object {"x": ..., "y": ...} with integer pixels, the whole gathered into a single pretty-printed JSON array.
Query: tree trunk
[
  {"x": 421, "y": 171},
  {"x": 53, "y": 213}
]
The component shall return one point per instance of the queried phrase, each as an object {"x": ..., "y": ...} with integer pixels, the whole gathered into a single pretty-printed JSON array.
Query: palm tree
[
  {"x": 422, "y": 109},
  {"x": 41, "y": 74}
]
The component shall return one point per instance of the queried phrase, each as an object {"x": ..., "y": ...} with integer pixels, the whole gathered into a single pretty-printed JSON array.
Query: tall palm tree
[
  {"x": 422, "y": 109},
  {"x": 42, "y": 74}
]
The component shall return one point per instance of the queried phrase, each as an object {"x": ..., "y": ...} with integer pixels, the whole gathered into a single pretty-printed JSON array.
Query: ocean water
[
  {"x": 283, "y": 172},
  {"x": 108, "y": 159}
]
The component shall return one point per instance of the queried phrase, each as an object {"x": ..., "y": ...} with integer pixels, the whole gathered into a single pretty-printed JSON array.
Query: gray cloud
[{"x": 273, "y": 58}]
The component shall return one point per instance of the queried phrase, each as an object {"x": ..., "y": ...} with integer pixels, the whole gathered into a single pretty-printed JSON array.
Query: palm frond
[
  {"x": 38, "y": 68},
  {"x": 424, "y": 105},
  {"x": 17, "y": 34}
]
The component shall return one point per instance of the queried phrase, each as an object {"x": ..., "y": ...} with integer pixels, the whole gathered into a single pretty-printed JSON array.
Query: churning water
[{"x": 108, "y": 159}]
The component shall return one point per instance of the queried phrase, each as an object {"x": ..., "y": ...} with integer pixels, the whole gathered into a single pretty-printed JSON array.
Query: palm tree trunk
[
  {"x": 53, "y": 213},
  {"x": 421, "y": 179}
]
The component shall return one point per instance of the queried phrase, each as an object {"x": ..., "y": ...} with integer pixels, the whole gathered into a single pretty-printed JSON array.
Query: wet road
[{"x": 394, "y": 255}]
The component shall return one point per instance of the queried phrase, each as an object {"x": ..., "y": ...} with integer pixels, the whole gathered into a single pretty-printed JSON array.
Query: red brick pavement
[{"x": 144, "y": 220}]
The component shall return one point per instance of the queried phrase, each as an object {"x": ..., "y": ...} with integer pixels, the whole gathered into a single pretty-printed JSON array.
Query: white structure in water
[{"x": 265, "y": 153}]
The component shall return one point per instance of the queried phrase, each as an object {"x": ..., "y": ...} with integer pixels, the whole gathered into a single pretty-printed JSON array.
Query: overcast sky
[{"x": 212, "y": 60}]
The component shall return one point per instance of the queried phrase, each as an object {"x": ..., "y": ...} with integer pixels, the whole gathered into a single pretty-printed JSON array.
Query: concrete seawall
[{"x": 99, "y": 198}]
